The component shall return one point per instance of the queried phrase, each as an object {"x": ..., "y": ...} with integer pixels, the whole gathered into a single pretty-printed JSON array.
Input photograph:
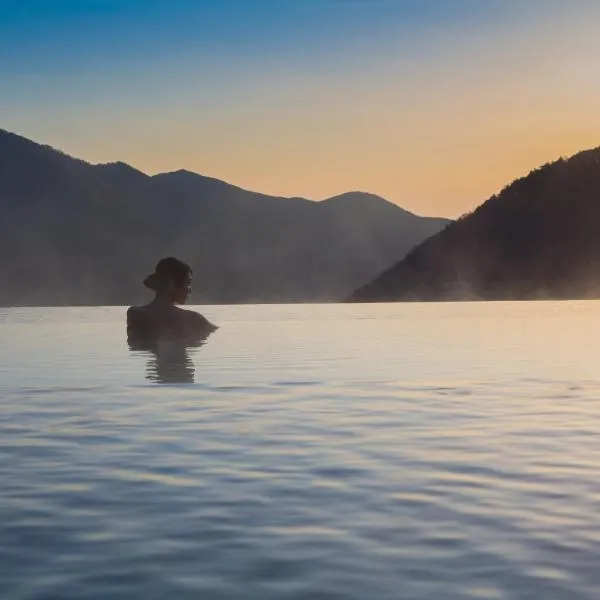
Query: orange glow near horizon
[{"x": 437, "y": 131}]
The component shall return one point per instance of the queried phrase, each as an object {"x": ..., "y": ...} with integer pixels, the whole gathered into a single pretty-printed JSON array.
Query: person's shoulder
[
  {"x": 133, "y": 311},
  {"x": 199, "y": 322},
  {"x": 138, "y": 309}
]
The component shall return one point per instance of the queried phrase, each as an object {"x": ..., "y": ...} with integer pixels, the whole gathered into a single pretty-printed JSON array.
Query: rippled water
[{"x": 356, "y": 452}]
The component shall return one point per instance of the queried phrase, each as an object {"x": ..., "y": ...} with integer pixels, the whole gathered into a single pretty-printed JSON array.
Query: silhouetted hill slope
[
  {"x": 538, "y": 239},
  {"x": 76, "y": 233}
]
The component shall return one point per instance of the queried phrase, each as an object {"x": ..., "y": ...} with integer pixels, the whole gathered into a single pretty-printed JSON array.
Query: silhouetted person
[{"x": 162, "y": 319}]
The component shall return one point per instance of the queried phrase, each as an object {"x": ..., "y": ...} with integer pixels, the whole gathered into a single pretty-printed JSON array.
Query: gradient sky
[{"x": 433, "y": 104}]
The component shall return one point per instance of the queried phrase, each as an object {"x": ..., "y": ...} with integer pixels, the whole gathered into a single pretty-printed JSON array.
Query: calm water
[{"x": 356, "y": 452}]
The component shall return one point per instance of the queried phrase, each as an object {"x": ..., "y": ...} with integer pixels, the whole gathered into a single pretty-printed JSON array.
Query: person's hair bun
[
  {"x": 168, "y": 270},
  {"x": 151, "y": 282}
]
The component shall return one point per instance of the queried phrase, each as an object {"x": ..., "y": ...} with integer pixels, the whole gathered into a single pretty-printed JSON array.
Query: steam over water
[{"x": 418, "y": 451}]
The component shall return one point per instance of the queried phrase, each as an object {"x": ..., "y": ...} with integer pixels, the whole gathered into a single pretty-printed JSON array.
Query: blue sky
[
  {"x": 67, "y": 36},
  {"x": 332, "y": 92}
]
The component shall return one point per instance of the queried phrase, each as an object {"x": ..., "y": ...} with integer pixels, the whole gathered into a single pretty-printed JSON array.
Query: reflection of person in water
[
  {"x": 162, "y": 319},
  {"x": 168, "y": 362}
]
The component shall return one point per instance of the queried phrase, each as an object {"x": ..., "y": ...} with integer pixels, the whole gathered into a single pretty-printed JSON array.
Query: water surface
[{"x": 339, "y": 451}]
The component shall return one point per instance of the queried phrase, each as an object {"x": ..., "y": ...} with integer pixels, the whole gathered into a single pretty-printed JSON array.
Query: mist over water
[{"x": 334, "y": 451}]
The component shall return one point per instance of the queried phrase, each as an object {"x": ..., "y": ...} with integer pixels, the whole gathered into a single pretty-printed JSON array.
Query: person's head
[{"x": 172, "y": 279}]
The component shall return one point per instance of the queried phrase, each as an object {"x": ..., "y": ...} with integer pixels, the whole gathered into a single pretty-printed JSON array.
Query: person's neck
[{"x": 162, "y": 301}]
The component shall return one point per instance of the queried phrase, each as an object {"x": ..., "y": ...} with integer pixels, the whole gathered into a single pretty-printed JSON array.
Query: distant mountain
[
  {"x": 76, "y": 233},
  {"x": 538, "y": 239}
]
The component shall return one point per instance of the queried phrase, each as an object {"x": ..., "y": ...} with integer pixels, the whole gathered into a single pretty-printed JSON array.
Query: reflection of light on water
[
  {"x": 460, "y": 440},
  {"x": 168, "y": 360}
]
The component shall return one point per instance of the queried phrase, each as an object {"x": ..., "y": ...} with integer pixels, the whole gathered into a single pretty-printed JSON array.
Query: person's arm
[
  {"x": 132, "y": 318},
  {"x": 135, "y": 328}
]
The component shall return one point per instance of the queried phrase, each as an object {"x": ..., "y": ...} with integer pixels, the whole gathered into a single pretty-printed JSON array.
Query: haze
[{"x": 434, "y": 105}]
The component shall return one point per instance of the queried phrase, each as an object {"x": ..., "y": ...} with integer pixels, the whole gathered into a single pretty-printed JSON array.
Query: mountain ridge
[
  {"x": 536, "y": 239},
  {"x": 77, "y": 233}
]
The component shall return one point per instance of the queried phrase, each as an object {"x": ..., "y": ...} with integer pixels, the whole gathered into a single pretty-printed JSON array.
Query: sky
[{"x": 432, "y": 104}]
